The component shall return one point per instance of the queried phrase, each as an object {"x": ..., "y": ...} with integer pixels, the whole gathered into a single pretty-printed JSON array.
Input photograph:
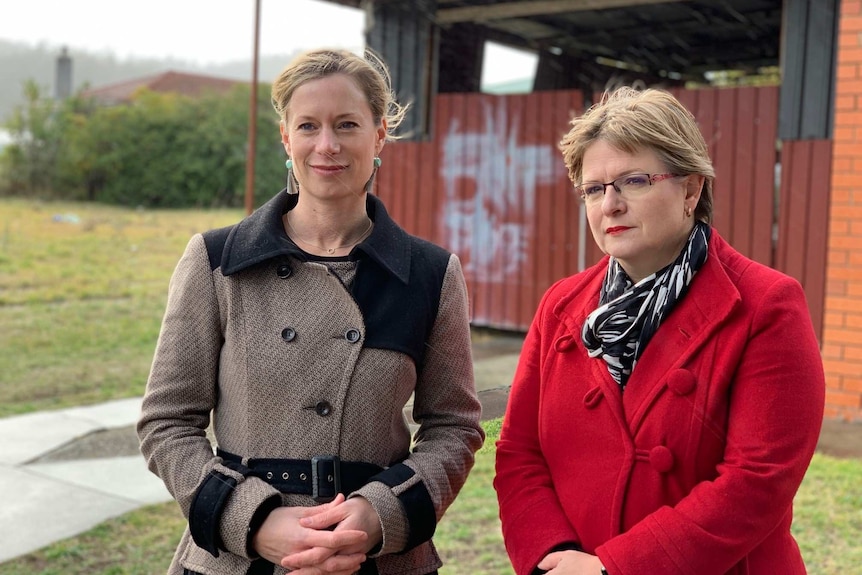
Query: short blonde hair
[
  {"x": 370, "y": 73},
  {"x": 633, "y": 121}
]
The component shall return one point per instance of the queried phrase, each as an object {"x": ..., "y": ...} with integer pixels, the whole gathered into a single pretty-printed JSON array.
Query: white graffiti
[{"x": 490, "y": 194}]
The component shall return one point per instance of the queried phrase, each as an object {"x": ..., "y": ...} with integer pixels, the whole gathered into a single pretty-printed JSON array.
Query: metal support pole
[{"x": 252, "y": 117}]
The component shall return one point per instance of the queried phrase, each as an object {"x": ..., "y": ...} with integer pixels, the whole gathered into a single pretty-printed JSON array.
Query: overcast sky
[{"x": 204, "y": 31}]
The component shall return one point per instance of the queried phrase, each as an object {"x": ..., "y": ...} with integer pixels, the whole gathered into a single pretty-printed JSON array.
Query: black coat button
[
  {"x": 352, "y": 335},
  {"x": 288, "y": 334},
  {"x": 284, "y": 271},
  {"x": 323, "y": 408}
]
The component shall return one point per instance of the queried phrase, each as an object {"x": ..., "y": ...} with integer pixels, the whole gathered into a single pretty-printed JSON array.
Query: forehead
[
  {"x": 336, "y": 94},
  {"x": 602, "y": 159}
]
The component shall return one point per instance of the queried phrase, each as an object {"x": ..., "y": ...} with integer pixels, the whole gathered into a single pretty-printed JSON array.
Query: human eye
[
  {"x": 633, "y": 181},
  {"x": 305, "y": 127},
  {"x": 592, "y": 189},
  {"x": 348, "y": 125}
]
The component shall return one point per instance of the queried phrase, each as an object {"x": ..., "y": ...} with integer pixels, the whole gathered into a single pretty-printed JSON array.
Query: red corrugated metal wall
[{"x": 490, "y": 185}]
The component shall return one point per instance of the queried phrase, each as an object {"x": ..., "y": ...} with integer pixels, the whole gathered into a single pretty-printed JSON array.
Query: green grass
[
  {"x": 81, "y": 299},
  {"x": 80, "y": 306}
]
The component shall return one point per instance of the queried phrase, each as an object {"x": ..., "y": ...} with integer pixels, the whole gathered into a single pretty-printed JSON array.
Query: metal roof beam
[{"x": 500, "y": 11}]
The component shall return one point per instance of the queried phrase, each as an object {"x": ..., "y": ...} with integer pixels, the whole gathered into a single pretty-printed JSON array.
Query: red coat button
[
  {"x": 661, "y": 459},
  {"x": 681, "y": 382},
  {"x": 593, "y": 397},
  {"x": 564, "y": 344}
]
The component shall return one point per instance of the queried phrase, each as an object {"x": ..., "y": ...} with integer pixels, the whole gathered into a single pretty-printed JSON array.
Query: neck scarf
[{"x": 629, "y": 314}]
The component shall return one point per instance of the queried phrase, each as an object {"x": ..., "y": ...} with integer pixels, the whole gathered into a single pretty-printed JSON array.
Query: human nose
[
  {"x": 612, "y": 199},
  {"x": 328, "y": 141}
]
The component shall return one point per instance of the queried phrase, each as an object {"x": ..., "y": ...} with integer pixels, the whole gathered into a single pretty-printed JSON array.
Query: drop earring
[
  {"x": 292, "y": 184},
  {"x": 369, "y": 186}
]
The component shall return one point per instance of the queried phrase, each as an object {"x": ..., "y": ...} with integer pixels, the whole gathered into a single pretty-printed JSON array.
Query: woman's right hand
[{"x": 281, "y": 534}]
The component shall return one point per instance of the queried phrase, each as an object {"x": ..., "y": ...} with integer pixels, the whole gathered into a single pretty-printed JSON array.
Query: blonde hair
[
  {"x": 369, "y": 72},
  {"x": 633, "y": 121}
]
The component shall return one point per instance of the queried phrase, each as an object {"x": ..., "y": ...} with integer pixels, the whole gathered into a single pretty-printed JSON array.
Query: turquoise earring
[
  {"x": 369, "y": 185},
  {"x": 292, "y": 184}
]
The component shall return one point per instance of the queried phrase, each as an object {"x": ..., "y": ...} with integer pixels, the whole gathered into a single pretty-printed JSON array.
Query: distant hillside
[{"x": 20, "y": 62}]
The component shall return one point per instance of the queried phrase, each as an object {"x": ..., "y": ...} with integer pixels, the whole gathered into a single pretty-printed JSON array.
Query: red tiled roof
[{"x": 166, "y": 82}]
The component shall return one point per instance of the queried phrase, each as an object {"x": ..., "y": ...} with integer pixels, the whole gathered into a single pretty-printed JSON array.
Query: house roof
[
  {"x": 680, "y": 38},
  {"x": 165, "y": 82}
]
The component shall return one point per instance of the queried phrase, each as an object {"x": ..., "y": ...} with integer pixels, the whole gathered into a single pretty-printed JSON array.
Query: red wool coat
[{"x": 692, "y": 470}]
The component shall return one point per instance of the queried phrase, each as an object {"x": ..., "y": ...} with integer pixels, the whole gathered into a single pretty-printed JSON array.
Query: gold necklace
[{"x": 328, "y": 250}]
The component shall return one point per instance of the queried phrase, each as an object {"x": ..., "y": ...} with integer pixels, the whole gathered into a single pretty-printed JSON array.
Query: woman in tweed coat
[{"x": 300, "y": 334}]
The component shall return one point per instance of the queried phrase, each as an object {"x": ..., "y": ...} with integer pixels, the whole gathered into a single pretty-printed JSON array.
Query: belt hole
[
  {"x": 269, "y": 474},
  {"x": 285, "y": 475},
  {"x": 329, "y": 478},
  {"x": 303, "y": 476}
]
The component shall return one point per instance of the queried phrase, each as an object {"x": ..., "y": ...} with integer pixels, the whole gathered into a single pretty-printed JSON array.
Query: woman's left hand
[
  {"x": 570, "y": 563},
  {"x": 355, "y": 514}
]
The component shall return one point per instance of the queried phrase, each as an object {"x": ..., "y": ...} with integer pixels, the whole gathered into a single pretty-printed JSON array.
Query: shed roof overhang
[{"x": 680, "y": 39}]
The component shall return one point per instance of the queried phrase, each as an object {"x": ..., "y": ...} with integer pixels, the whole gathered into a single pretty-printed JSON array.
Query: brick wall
[{"x": 842, "y": 334}]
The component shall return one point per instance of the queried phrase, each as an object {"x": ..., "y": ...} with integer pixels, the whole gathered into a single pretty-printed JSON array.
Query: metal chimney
[{"x": 63, "y": 79}]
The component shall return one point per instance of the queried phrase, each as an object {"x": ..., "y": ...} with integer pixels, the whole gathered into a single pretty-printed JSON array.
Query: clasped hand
[
  {"x": 330, "y": 539},
  {"x": 570, "y": 563}
]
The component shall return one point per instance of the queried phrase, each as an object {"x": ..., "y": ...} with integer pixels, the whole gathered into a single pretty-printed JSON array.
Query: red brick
[
  {"x": 853, "y": 354},
  {"x": 843, "y": 134},
  {"x": 854, "y": 289},
  {"x": 836, "y": 287},
  {"x": 839, "y": 197},
  {"x": 850, "y": 8},
  {"x": 845, "y": 273},
  {"x": 855, "y": 258},
  {"x": 848, "y": 213},
  {"x": 850, "y": 24},
  {"x": 838, "y": 257},
  {"x": 845, "y": 103},
  {"x": 848, "y": 40},
  {"x": 843, "y": 164},
  {"x": 843, "y": 399},
  {"x": 853, "y": 384},
  {"x": 852, "y": 321},
  {"x": 847, "y": 56},
  {"x": 833, "y": 352},
  {"x": 853, "y": 305},
  {"x": 839, "y": 227},
  {"x": 833, "y": 319},
  {"x": 847, "y": 179}
]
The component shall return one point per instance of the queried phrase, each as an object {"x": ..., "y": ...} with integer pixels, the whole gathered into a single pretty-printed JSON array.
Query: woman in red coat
[{"x": 668, "y": 400}]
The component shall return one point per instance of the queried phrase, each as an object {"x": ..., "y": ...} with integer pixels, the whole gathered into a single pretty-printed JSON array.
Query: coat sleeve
[
  {"x": 219, "y": 500},
  {"x": 411, "y": 497},
  {"x": 532, "y": 518},
  {"x": 774, "y": 417}
]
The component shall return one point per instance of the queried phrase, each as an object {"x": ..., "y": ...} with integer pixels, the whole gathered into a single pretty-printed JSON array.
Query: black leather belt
[{"x": 323, "y": 477}]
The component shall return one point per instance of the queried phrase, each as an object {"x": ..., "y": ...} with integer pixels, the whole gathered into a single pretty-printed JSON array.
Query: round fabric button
[
  {"x": 661, "y": 459},
  {"x": 288, "y": 334},
  {"x": 323, "y": 408},
  {"x": 681, "y": 382},
  {"x": 352, "y": 335},
  {"x": 284, "y": 271}
]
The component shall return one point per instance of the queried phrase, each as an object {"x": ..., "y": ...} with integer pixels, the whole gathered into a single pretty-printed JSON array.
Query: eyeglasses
[{"x": 628, "y": 186}]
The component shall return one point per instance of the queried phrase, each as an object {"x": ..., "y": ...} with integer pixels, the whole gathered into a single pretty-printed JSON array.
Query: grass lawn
[{"x": 82, "y": 292}]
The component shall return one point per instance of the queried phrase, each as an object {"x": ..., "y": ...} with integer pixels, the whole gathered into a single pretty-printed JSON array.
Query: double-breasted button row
[{"x": 352, "y": 335}]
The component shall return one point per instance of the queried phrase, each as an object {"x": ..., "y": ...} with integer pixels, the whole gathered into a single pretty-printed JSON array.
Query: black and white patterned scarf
[{"x": 628, "y": 315}]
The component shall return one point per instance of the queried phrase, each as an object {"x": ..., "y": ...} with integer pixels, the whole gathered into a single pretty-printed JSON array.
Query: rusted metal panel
[
  {"x": 490, "y": 185},
  {"x": 804, "y": 218}
]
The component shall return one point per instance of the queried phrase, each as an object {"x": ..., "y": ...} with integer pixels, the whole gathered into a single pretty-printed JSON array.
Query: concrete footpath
[{"x": 44, "y": 499}]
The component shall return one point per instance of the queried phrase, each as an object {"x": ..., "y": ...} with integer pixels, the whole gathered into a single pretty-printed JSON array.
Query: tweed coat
[
  {"x": 258, "y": 338},
  {"x": 694, "y": 468}
]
